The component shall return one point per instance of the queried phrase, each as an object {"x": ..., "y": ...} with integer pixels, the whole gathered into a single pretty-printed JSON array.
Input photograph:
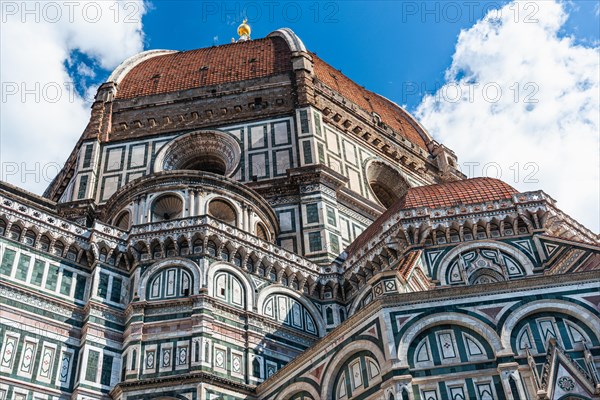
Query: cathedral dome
[
  {"x": 184, "y": 70},
  {"x": 159, "y": 72}
]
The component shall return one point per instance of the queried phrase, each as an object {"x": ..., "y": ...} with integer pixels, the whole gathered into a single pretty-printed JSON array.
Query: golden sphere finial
[{"x": 244, "y": 30}]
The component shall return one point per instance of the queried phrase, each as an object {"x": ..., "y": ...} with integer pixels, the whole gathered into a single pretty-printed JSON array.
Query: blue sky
[
  {"x": 399, "y": 49},
  {"x": 442, "y": 60}
]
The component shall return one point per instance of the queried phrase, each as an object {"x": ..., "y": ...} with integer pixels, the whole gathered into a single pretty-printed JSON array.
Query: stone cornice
[
  {"x": 43, "y": 219},
  {"x": 208, "y": 226},
  {"x": 192, "y": 377}
]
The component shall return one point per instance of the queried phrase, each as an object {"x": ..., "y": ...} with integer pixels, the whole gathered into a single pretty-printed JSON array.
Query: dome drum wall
[
  {"x": 201, "y": 108},
  {"x": 180, "y": 194}
]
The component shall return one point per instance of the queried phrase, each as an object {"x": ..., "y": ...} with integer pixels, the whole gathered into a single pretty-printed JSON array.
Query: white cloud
[
  {"x": 41, "y": 115},
  {"x": 547, "y": 113}
]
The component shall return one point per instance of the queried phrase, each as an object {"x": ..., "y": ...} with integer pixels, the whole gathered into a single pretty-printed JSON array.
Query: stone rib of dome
[{"x": 205, "y": 67}]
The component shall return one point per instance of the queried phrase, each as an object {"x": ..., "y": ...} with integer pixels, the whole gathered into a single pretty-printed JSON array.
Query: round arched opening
[
  {"x": 123, "y": 221},
  {"x": 209, "y": 151},
  {"x": 387, "y": 183},
  {"x": 206, "y": 163},
  {"x": 261, "y": 232},
  {"x": 222, "y": 211},
  {"x": 167, "y": 207}
]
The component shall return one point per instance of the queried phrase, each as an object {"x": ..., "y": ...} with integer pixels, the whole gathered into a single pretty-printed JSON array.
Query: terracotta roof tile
[
  {"x": 390, "y": 113},
  {"x": 209, "y": 66},
  {"x": 467, "y": 191}
]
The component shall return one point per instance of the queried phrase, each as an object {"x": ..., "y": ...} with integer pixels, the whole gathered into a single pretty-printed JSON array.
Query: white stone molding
[
  {"x": 293, "y": 41},
  {"x": 126, "y": 66},
  {"x": 280, "y": 289}
]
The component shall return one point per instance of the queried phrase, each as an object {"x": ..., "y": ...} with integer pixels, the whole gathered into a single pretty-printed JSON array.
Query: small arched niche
[
  {"x": 223, "y": 211},
  {"x": 386, "y": 183},
  {"x": 261, "y": 232},
  {"x": 167, "y": 207},
  {"x": 123, "y": 220},
  {"x": 208, "y": 151}
]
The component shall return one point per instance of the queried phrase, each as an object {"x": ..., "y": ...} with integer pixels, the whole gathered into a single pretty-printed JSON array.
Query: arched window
[
  {"x": 356, "y": 375},
  {"x": 329, "y": 315},
  {"x": 494, "y": 230},
  {"x": 290, "y": 312},
  {"x": 30, "y": 237},
  {"x": 229, "y": 289},
  {"x": 72, "y": 253},
  {"x": 124, "y": 368},
  {"x": 184, "y": 248},
  {"x": 440, "y": 236},
  {"x": 568, "y": 331},
  {"x": 15, "y": 232},
  {"x": 442, "y": 344},
  {"x": 483, "y": 265},
  {"x": 222, "y": 211},
  {"x": 45, "y": 243},
  {"x": 170, "y": 283},
  {"x": 134, "y": 359},
  {"x": 2, "y": 227},
  {"x": 454, "y": 236}
]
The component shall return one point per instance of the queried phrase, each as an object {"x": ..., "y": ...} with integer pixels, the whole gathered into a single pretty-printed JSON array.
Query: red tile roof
[
  {"x": 392, "y": 115},
  {"x": 463, "y": 192},
  {"x": 249, "y": 60},
  {"x": 467, "y": 191},
  {"x": 209, "y": 66}
]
